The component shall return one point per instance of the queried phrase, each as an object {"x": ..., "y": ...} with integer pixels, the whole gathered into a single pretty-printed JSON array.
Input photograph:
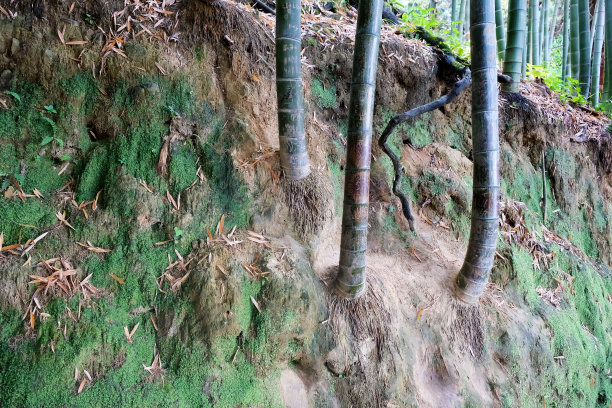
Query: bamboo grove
[
  {"x": 565, "y": 35},
  {"x": 485, "y": 18},
  {"x": 518, "y": 35}
]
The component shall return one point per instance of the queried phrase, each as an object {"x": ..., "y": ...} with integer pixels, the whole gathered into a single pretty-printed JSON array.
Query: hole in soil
[{"x": 96, "y": 135}]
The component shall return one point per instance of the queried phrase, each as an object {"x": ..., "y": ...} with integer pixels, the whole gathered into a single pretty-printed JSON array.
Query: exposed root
[
  {"x": 467, "y": 325},
  {"x": 367, "y": 316},
  {"x": 516, "y": 100},
  {"x": 309, "y": 201},
  {"x": 230, "y": 25},
  {"x": 458, "y": 87},
  {"x": 603, "y": 153},
  {"x": 368, "y": 319}
]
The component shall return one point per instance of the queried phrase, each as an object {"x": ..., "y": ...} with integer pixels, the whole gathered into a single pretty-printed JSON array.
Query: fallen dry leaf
[
  {"x": 82, "y": 386},
  {"x": 256, "y": 304}
]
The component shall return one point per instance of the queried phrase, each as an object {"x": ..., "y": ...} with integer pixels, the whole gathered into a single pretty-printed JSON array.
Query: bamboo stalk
[
  {"x": 551, "y": 31},
  {"x": 499, "y": 23},
  {"x": 544, "y": 32},
  {"x": 574, "y": 40},
  {"x": 566, "y": 38},
  {"x": 517, "y": 16},
  {"x": 293, "y": 151},
  {"x": 351, "y": 280},
  {"x": 529, "y": 59},
  {"x": 524, "y": 65},
  {"x": 462, "y": 24},
  {"x": 598, "y": 43},
  {"x": 585, "y": 48},
  {"x": 474, "y": 273},
  {"x": 535, "y": 32},
  {"x": 607, "y": 89}
]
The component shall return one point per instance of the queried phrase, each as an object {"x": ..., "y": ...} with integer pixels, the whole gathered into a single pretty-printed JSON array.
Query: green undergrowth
[
  {"x": 580, "y": 329},
  {"x": 130, "y": 124},
  {"x": 583, "y": 224},
  {"x": 417, "y": 132},
  {"x": 325, "y": 96}
]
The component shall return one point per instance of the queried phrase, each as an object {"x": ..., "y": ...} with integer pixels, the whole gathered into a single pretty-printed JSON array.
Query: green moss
[
  {"x": 586, "y": 355},
  {"x": 525, "y": 275},
  {"x": 324, "y": 96},
  {"x": 337, "y": 178},
  {"x": 456, "y": 140},
  {"x": 183, "y": 167},
  {"x": 17, "y": 219},
  {"x": 459, "y": 218},
  {"x": 196, "y": 375},
  {"x": 237, "y": 384},
  {"x": 229, "y": 192},
  {"x": 42, "y": 175},
  {"x": 245, "y": 311},
  {"x": 95, "y": 175},
  {"x": 22, "y": 121},
  {"x": 576, "y": 229},
  {"x": 9, "y": 163},
  {"x": 419, "y": 133}
]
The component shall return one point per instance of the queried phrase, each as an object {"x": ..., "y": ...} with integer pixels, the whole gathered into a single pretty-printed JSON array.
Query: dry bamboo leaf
[
  {"x": 60, "y": 34},
  {"x": 133, "y": 331},
  {"x": 118, "y": 279},
  {"x": 162, "y": 242},
  {"x": 70, "y": 12},
  {"x": 256, "y": 235},
  {"x": 76, "y": 42},
  {"x": 146, "y": 187},
  {"x": 63, "y": 221},
  {"x": 256, "y": 304},
  {"x": 38, "y": 238},
  {"x": 1, "y": 239},
  {"x": 93, "y": 248},
  {"x": 171, "y": 200},
  {"x": 220, "y": 225},
  {"x": 95, "y": 203},
  {"x": 177, "y": 284},
  {"x": 178, "y": 255},
  {"x": 153, "y": 321},
  {"x": 31, "y": 319},
  {"x": 63, "y": 169},
  {"x": 70, "y": 314},
  {"x": 82, "y": 386},
  {"x": 10, "y": 247},
  {"x": 88, "y": 375},
  {"x": 37, "y": 193},
  {"x": 259, "y": 241}
]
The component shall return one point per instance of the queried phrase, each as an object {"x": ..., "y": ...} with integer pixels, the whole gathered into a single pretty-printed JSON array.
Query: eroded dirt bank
[{"x": 173, "y": 275}]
